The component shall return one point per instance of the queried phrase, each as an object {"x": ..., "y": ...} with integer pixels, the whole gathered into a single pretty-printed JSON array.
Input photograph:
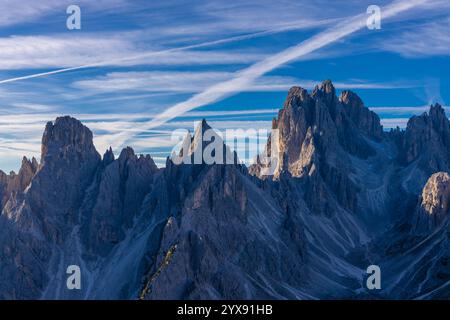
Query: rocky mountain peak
[
  {"x": 332, "y": 122},
  {"x": 126, "y": 153},
  {"x": 69, "y": 161},
  {"x": 205, "y": 142},
  {"x": 14, "y": 183},
  {"x": 296, "y": 96},
  {"x": 66, "y": 134},
  {"x": 351, "y": 98},
  {"x": 436, "y": 110},
  {"x": 129, "y": 158},
  {"x": 108, "y": 156},
  {"x": 427, "y": 138},
  {"x": 326, "y": 87},
  {"x": 434, "y": 203},
  {"x": 436, "y": 194},
  {"x": 438, "y": 117},
  {"x": 435, "y": 119},
  {"x": 325, "y": 91},
  {"x": 27, "y": 170},
  {"x": 29, "y": 165},
  {"x": 364, "y": 119},
  {"x": 197, "y": 143},
  {"x": 200, "y": 130},
  {"x": 201, "y": 231}
]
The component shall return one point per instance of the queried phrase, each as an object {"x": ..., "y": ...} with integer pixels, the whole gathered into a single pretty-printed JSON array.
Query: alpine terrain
[{"x": 345, "y": 195}]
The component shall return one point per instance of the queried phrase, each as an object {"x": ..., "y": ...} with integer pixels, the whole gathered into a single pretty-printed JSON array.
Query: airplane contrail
[
  {"x": 247, "y": 76},
  {"x": 288, "y": 27}
]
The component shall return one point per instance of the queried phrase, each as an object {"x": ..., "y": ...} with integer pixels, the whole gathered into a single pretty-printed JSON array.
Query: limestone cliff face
[
  {"x": 328, "y": 119},
  {"x": 219, "y": 242},
  {"x": 318, "y": 132},
  {"x": 365, "y": 120},
  {"x": 427, "y": 140},
  {"x": 68, "y": 163},
  {"x": 432, "y": 211},
  {"x": 14, "y": 183},
  {"x": 72, "y": 199},
  {"x": 120, "y": 189},
  {"x": 292, "y": 123}
]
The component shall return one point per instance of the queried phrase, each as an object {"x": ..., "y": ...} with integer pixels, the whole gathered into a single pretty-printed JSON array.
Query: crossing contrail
[
  {"x": 287, "y": 27},
  {"x": 247, "y": 76}
]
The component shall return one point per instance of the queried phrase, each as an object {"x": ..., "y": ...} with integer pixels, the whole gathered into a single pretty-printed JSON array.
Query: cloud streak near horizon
[{"x": 21, "y": 133}]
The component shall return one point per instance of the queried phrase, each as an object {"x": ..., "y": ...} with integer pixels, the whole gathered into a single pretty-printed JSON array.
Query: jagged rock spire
[
  {"x": 14, "y": 183},
  {"x": 427, "y": 139},
  {"x": 433, "y": 208},
  {"x": 206, "y": 142},
  {"x": 64, "y": 136},
  {"x": 364, "y": 119},
  {"x": 108, "y": 157}
]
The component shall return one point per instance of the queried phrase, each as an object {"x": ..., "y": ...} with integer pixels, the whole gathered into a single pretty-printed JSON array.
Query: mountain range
[{"x": 345, "y": 195}]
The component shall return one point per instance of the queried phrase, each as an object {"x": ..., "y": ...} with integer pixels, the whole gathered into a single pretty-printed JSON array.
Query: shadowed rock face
[
  {"x": 365, "y": 120},
  {"x": 16, "y": 183},
  {"x": 345, "y": 195},
  {"x": 120, "y": 188},
  {"x": 427, "y": 140}
]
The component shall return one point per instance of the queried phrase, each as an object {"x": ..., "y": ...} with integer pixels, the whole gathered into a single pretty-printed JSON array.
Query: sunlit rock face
[
  {"x": 344, "y": 195},
  {"x": 432, "y": 211}
]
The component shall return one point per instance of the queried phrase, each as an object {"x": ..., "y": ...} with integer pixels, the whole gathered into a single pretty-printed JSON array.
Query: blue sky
[{"x": 157, "y": 66}]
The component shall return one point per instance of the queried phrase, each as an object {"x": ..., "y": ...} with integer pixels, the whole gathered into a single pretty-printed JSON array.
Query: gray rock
[
  {"x": 14, "y": 183},
  {"x": 345, "y": 195},
  {"x": 433, "y": 209}
]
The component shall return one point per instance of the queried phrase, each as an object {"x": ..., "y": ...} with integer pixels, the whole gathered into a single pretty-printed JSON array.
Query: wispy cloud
[
  {"x": 245, "y": 78},
  {"x": 430, "y": 39},
  {"x": 391, "y": 123},
  {"x": 171, "y": 81},
  {"x": 391, "y": 112},
  {"x": 33, "y": 107},
  {"x": 38, "y": 52},
  {"x": 69, "y": 52},
  {"x": 145, "y": 56},
  {"x": 182, "y": 81},
  {"x": 35, "y": 52},
  {"x": 26, "y": 11}
]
